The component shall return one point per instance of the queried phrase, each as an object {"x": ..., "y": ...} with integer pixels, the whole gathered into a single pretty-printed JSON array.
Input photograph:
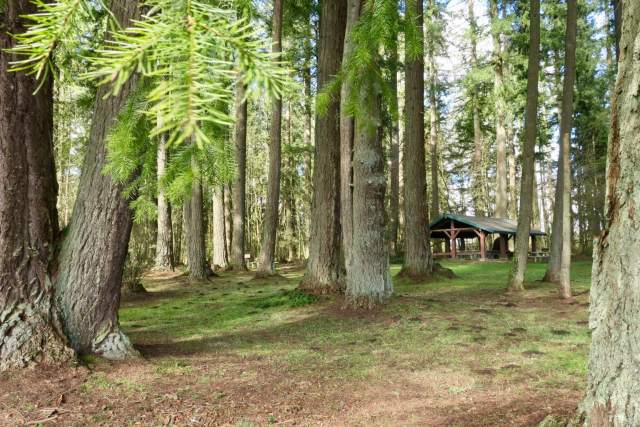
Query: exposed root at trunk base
[
  {"x": 362, "y": 302},
  {"x": 551, "y": 278},
  {"x": 29, "y": 338},
  {"x": 315, "y": 288},
  {"x": 115, "y": 346},
  {"x": 264, "y": 275},
  {"x": 439, "y": 272},
  {"x": 133, "y": 288}
]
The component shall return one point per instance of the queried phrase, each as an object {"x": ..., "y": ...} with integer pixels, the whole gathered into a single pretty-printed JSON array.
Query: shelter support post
[
  {"x": 533, "y": 244},
  {"x": 504, "y": 244}
]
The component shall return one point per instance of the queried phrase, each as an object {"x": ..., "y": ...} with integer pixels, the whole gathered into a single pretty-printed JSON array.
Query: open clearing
[{"x": 240, "y": 352}]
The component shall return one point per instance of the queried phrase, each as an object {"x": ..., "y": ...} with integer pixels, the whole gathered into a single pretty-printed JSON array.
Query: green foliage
[
  {"x": 54, "y": 27},
  {"x": 188, "y": 47},
  {"x": 376, "y": 30},
  {"x": 131, "y": 155}
]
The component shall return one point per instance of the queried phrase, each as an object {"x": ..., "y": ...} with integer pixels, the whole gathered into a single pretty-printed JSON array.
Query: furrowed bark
[
  {"x": 565, "y": 134},
  {"x": 266, "y": 259},
  {"x": 614, "y": 383},
  {"x": 368, "y": 279},
  {"x": 347, "y": 134},
  {"x": 520, "y": 257},
  {"x": 93, "y": 252},
  {"x": 194, "y": 227},
  {"x": 239, "y": 193},
  {"x": 164, "y": 238},
  {"x": 323, "y": 266},
  {"x": 220, "y": 258},
  {"x": 394, "y": 161},
  {"x": 30, "y": 329},
  {"x": 418, "y": 263}
]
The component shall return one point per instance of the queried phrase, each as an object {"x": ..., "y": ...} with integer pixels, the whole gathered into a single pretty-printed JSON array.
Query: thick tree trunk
[
  {"x": 565, "y": 135},
  {"x": 323, "y": 267},
  {"x": 220, "y": 258},
  {"x": 194, "y": 228},
  {"x": 368, "y": 275},
  {"x": 239, "y": 193},
  {"x": 516, "y": 278},
  {"x": 93, "y": 253},
  {"x": 29, "y": 324},
  {"x": 164, "y": 239},
  {"x": 266, "y": 260},
  {"x": 347, "y": 135},
  {"x": 614, "y": 383},
  {"x": 417, "y": 260},
  {"x": 501, "y": 133}
]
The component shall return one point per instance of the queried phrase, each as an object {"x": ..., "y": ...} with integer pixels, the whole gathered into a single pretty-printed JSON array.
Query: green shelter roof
[{"x": 487, "y": 224}]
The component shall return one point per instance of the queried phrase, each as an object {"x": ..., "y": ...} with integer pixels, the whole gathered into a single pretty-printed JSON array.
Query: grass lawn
[{"x": 240, "y": 352}]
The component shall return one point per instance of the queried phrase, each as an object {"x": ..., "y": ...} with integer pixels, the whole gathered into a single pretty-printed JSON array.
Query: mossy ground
[{"x": 236, "y": 351}]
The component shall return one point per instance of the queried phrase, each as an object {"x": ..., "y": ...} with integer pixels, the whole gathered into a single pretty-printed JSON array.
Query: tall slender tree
[
  {"x": 521, "y": 253},
  {"x": 500, "y": 113},
  {"x": 266, "y": 260},
  {"x": 220, "y": 254},
  {"x": 164, "y": 238},
  {"x": 323, "y": 266},
  {"x": 433, "y": 109},
  {"x": 394, "y": 154},
  {"x": 347, "y": 133},
  {"x": 29, "y": 323},
  {"x": 417, "y": 260},
  {"x": 565, "y": 135},
  {"x": 614, "y": 383},
  {"x": 239, "y": 193},
  {"x": 477, "y": 190}
]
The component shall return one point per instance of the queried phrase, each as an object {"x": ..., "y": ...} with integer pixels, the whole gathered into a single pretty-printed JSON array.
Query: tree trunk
[
  {"x": 478, "y": 173},
  {"x": 552, "y": 273},
  {"x": 164, "y": 239},
  {"x": 433, "y": 119},
  {"x": 501, "y": 133},
  {"x": 177, "y": 235},
  {"x": 368, "y": 276},
  {"x": 220, "y": 258},
  {"x": 194, "y": 228},
  {"x": 516, "y": 278},
  {"x": 228, "y": 218},
  {"x": 323, "y": 267},
  {"x": 266, "y": 260},
  {"x": 614, "y": 383},
  {"x": 29, "y": 324},
  {"x": 394, "y": 167},
  {"x": 93, "y": 253},
  {"x": 347, "y": 135},
  {"x": 239, "y": 193},
  {"x": 417, "y": 260},
  {"x": 565, "y": 146},
  {"x": 394, "y": 160}
]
